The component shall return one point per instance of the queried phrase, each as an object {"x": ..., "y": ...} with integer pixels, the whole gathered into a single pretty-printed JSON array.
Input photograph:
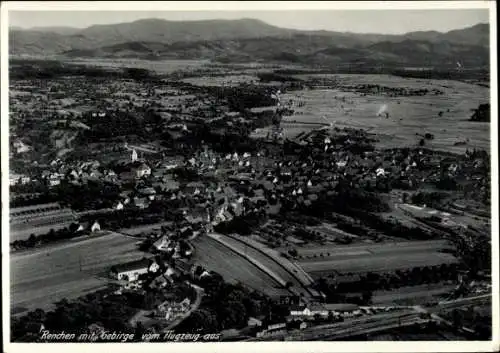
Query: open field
[
  {"x": 407, "y": 115},
  {"x": 367, "y": 249},
  {"x": 233, "y": 267},
  {"x": 66, "y": 270},
  {"x": 374, "y": 257},
  {"x": 379, "y": 263}
]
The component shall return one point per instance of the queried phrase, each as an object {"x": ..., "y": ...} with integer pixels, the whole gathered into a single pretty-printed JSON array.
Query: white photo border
[{"x": 290, "y": 347}]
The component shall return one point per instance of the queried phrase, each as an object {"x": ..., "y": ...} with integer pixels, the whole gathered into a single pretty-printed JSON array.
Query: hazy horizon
[{"x": 355, "y": 21}]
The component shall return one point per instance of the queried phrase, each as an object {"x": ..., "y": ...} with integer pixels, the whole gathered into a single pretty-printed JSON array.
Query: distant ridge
[{"x": 246, "y": 38}]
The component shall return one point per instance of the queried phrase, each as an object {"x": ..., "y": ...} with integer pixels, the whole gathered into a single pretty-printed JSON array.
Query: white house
[
  {"x": 309, "y": 311},
  {"x": 134, "y": 155},
  {"x": 380, "y": 172},
  {"x": 164, "y": 244},
  {"x": 18, "y": 179},
  {"x": 132, "y": 270},
  {"x": 254, "y": 322},
  {"x": 54, "y": 182},
  {"x": 341, "y": 164},
  {"x": 154, "y": 267},
  {"x": 142, "y": 170},
  {"x": 95, "y": 227},
  {"x": 21, "y": 147}
]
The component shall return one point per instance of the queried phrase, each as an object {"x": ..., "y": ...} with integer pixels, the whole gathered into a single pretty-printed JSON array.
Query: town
[{"x": 249, "y": 202}]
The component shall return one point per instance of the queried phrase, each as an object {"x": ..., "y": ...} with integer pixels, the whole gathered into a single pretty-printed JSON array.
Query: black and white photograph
[{"x": 279, "y": 174}]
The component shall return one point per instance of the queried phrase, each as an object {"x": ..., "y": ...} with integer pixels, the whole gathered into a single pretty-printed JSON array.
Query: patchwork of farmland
[
  {"x": 226, "y": 80},
  {"x": 359, "y": 258},
  {"x": 163, "y": 66},
  {"x": 445, "y": 116}
]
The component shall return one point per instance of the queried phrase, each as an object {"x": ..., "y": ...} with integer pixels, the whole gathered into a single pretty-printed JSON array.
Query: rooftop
[{"x": 133, "y": 265}]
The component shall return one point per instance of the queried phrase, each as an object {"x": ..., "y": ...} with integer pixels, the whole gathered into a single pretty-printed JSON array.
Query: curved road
[{"x": 195, "y": 306}]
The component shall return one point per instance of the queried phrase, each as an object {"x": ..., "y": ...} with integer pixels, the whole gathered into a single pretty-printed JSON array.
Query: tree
[
  {"x": 73, "y": 227},
  {"x": 32, "y": 240},
  {"x": 457, "y": 319},
  {"x": 367, "y": 297},
  {"x": 405, "y": 197}
]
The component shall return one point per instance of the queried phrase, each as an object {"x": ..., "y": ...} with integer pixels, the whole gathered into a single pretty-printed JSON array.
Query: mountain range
[{"x": 254, "y": 40}]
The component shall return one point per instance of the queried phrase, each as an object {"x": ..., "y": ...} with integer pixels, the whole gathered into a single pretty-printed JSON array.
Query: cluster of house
[
  {"x": 163, "y": 273},
  {"x": 174, "y": 247},
  {"x": 18, "y": 179},
  {"x": 130, "y": 276},
  {"x": 303, "y": 316},
  {"x": 169, "y": 310}
]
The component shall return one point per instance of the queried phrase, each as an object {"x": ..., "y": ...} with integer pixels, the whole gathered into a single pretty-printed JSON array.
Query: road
[{"x": 194, "y": 306}]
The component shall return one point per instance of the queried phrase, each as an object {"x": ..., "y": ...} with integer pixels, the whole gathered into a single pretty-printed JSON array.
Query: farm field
[
  {"x": 376, "y": 257},
  {"x": 163, "y": 66},
  {"x": 233, "y": 267},
  {"x": 378, "y": 263},
  {"x": 379, "y": 248},
  {"x": 66, "y": 270},
  {"x": 226, "y": 80},
  {"x": 408, "y": 115}
]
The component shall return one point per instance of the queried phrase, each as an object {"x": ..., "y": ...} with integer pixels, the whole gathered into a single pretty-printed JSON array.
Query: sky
[{"x": 359, "y": 21}]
